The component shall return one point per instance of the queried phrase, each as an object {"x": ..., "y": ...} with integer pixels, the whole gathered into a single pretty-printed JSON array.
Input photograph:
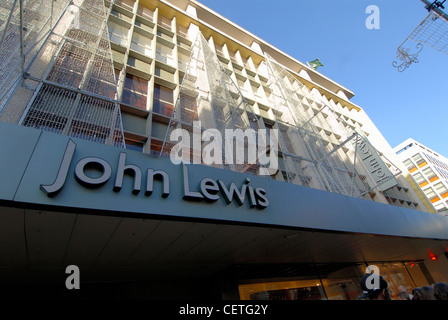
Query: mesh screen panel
[
  {"x": 58, "y": 72},
  {"x": 209, "y": 95}
]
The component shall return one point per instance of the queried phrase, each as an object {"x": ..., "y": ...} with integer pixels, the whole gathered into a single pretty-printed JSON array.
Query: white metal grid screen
[
  {"x": 209, "y": 95},
  {"x": 57, "y": 69}
]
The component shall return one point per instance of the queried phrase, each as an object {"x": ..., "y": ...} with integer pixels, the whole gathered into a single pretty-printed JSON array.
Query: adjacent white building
[{"x": 429, "y": 169}]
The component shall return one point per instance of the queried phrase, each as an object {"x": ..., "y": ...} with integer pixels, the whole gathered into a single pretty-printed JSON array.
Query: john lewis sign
[
  {"x": 93, "y": 172},
  {"x": 376, "y": 167},
  {"x": 34, "y": 164}
]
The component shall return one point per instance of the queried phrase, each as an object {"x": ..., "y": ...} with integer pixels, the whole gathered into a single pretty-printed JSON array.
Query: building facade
[
  {"x": 429, "y": 170},
  {"x": 93, "y": 94},
  {"x": 179, "y": 62}
]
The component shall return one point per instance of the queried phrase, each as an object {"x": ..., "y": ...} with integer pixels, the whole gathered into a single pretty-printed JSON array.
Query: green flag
[{"x": 315, "y": 64}]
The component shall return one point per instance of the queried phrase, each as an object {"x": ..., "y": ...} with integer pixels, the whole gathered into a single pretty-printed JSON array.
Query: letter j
[{"x": 57, "y": 185}]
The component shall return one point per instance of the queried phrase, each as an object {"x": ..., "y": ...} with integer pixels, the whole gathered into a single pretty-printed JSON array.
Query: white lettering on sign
[
  {"x": 209, "y": 189},
  {"x": 373, "y": 163}
]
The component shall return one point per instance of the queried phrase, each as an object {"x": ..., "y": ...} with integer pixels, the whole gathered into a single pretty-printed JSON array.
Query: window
[
  {"x": 118, "y": 33},
  {"x": 440, "y": 188},
  {"x": 134, "y": 145},
  {"x": 190, "y": 111},
  {"x": 164, "y": 54},
  {"x": 430, "y": 174},
  {"x": 163, "y": 100},
  {"x": 419, "y": 160},
  {"x": 120, "y": 15},
  {"x": 419, "y": 178},
  {"x": 166, "y": 75},
  {"x": 408, "y": 163},
  {"x": 135, "y": 91},
  {"x": 162, "y": 34},
  {"x": 432, "y": 196},
  {"x": 405, "y": 148},
  {"x": 164, "y": 22},
  {"x": 145, "y": 12},
  {"x": 183, "y": 61},
  {"x": 430, "y": 193},
  {"x": 128, "y": 4},
  {"x": 141, "y": 44},
  {"x": 156, "y": 147},
  {"x": 182, "y": 31}
]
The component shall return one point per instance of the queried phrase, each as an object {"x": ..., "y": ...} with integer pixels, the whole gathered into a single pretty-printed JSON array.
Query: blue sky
[{"x": 409, "y": 104}]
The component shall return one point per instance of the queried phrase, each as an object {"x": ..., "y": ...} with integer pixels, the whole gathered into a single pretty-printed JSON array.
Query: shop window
[{"x": 312, "y": 289}]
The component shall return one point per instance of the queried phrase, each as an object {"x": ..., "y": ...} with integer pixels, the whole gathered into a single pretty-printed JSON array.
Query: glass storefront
[
  {"x": 342, "y": 284},
  {"x": 283, "y": 290}
]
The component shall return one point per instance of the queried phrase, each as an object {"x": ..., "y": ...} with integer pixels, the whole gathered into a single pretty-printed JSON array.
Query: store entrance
[
  {"x": 306, "y": 293},
  {"x": 320, "y": 282},
  {"x": 299, "y": 282},
  {"x": 283, "y": 290}
]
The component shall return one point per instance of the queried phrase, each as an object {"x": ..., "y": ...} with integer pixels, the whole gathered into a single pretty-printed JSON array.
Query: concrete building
[
  {"x": 428, "y": 169},
  {"x": 91, "y": 95}
]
